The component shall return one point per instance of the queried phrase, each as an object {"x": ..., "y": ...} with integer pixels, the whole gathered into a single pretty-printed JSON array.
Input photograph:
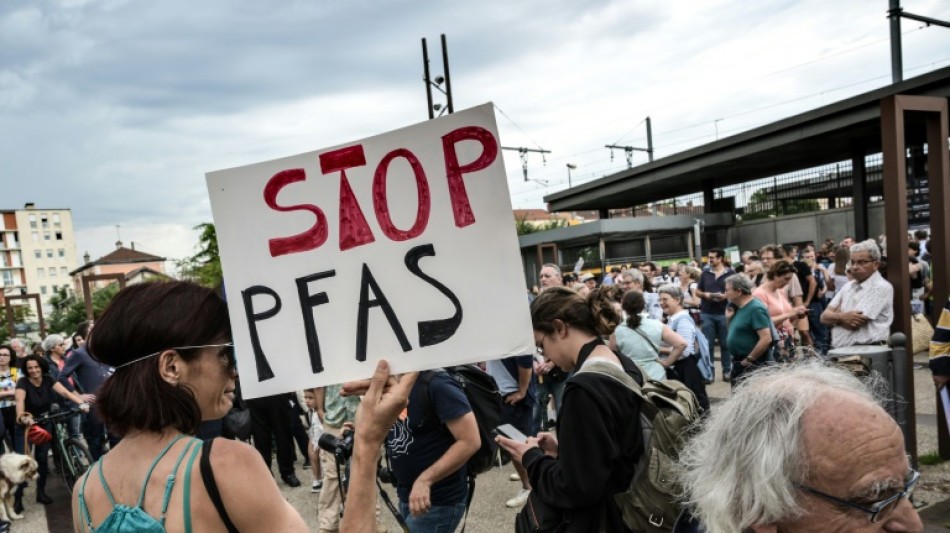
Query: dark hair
[
  {"x": 12, "y": 354},
  {"x": 633, "y": 304},
  {"x": 594, "y": 315},
  {"x": 144, "y": 319},
  {"x": 780, "y": 268},
  {"x": 920, "y": 234},
  {"x": 740, "y": 268},
  {"x": 83, "y": 328},
  {"x": 44, "y": 364},
  {"x": 913, "y": 245}
]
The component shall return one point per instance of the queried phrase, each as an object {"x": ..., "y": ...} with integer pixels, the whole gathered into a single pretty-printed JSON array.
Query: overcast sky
[{"x": 117, "y": 108}]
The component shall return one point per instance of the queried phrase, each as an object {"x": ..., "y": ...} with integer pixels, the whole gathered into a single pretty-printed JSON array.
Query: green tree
[
  {"x": 524, "y": 227},
  {"x": 762, "y": 205},
  {"x": 205, "y": 266},
  {"x": 69, "y": 310}
]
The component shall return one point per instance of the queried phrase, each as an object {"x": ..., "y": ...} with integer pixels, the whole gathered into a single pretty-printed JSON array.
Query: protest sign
[{"x": 400, "y": 246}]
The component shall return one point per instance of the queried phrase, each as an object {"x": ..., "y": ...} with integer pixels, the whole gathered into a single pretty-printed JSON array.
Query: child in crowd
[{"x": 316, "y": 429}]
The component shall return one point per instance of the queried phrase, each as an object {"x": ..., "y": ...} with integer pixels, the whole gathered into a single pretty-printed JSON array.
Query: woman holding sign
[
  {"x": 574, "y": 478},
  {"x": 170, "y": 344}
]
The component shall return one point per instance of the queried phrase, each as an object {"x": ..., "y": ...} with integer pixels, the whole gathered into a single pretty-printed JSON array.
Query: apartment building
[{"x": 38, "y": 252}]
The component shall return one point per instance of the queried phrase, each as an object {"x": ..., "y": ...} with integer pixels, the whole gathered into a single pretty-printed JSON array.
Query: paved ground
[{"x": 489, "y": 514}]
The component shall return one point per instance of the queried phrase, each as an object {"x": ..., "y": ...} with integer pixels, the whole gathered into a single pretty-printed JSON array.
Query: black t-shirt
[
  {"x": 803, "y": 271},
  {"x": 38, "y": 399},
  {"x": 417, "y": 440}
]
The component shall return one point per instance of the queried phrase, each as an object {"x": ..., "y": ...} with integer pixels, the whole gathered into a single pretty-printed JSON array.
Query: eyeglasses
[
  {"x": 877, "y": 510},
  {"x": 861, "y": 262},
  {"x": 539, "y": 346},
  {"x": 226, "y": 355}
]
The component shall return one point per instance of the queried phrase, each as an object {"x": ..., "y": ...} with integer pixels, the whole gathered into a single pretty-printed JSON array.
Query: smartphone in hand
[{"x": 511, "y": 432}]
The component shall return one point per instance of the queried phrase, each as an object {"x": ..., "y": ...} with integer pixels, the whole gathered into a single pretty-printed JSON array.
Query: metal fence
[{"x": 803, "y": 191}]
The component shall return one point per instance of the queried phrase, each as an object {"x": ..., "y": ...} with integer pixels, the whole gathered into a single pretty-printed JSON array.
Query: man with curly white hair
[{"x": 796, "y": 449}]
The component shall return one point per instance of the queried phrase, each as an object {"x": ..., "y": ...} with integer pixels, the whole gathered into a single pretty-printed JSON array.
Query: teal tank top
[{"x": 125, "y": 519}]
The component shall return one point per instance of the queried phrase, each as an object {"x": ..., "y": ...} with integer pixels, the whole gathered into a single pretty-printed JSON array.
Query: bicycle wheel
[{"x": 76, "y": 461}]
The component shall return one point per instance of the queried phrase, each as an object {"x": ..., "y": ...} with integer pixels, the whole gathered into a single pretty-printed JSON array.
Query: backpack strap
[
  {"x": 83, "y": 508},
  {"x": 186, "y": 496},
  {"x": 648, "y": 410},
  {"x": 170, "y": 481},
  {"x": 650, "y": 342},
  {"x": 148, "y": 473},
  {"x": 425, "y": 377},
  {"x": 207, "y": 476}
]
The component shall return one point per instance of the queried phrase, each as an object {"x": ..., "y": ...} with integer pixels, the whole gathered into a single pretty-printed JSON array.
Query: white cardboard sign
[{"x": 399, "y": 246}]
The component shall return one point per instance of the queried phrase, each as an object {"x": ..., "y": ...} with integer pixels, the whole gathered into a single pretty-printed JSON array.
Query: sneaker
[
  {"x": 316, "y": 486},
  {"x": 514, "y": 477},
  {"x": 520, "y": 499}
]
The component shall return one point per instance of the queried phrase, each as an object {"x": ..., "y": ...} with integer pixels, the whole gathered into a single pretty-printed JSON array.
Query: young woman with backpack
[
  {"x": 575, "y": 476},
  {"x": 170, "y": 344}
]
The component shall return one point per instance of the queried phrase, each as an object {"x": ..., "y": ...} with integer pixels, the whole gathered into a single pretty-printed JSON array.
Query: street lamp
[{"x": 570, "y": 167}]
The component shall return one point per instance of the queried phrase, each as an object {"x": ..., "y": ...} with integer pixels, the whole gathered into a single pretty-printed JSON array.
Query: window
[
  {"x": 59, "y": 235},
  {"x": 45, "y": 222},
  {"x": 7, "y": 277},
  {"x": 43, "y": 290},
  {"x": 38, "y": 254},
  {"x": 56, "y": 219},
  {"x": 62, "y": 253},
  {"x": 52, "y": 272},
  {"x": 46, "y": 236},
  {"x": 63, "y": 272},
  {"x": 49, "y": 253},
  {"x": 32, "y": 221},
  {"x": 40, "y": 272},
  {"x": 36, "y": 236}
]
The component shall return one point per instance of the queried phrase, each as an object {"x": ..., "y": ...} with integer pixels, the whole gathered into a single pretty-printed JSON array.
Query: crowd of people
[
  {"x": 811, "y": 303},
  {"x": 160, "y": 372}
]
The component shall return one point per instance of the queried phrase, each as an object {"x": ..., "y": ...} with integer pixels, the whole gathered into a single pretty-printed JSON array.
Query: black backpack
[{"x": 485, "y": 399}]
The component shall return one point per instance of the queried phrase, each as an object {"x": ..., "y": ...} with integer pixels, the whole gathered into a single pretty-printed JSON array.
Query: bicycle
[{"x": 70, "y": 454}]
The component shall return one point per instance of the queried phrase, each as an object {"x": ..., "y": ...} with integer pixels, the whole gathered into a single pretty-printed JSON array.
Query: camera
[
  {"x": 341, "y": 448},
  {"x": 385, "y": 474}
]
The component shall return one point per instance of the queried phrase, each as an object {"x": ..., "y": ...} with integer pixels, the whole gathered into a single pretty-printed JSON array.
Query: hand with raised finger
[{"x": 385, "y": 398}]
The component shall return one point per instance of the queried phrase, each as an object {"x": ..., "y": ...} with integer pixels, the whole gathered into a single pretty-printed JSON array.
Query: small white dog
[{"x": 14, "y": 469}]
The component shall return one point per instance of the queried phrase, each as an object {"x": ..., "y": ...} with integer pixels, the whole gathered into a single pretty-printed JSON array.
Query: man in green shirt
[{"x": 750, "y": 327}]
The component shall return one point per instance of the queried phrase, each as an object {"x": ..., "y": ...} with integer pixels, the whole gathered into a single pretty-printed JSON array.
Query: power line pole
[
  {"x": 523, "y": 152},
  {"x": 438, "y": 81},
  {"x": 628, "y": 150},
  {"x": 894, "y": 13}
]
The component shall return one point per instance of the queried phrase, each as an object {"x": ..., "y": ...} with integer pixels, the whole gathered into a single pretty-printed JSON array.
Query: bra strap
[
  {"x": 148, "y": 474},
  {"x": 187, "y": 492}
]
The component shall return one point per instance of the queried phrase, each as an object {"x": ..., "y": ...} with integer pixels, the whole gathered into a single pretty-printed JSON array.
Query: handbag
[
  {"x": 920, "y": 333},
  {"x": 539, "y": 517}
]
